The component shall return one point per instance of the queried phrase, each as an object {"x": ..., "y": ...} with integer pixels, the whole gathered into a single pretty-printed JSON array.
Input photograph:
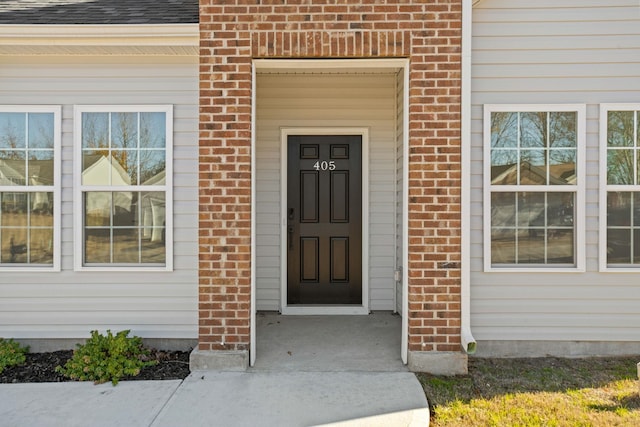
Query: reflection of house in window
[
  {"x": 98, "y": 169},
  {"x": 559, "y": 174},
  {"x": 153, "y": 210},
  {"x": 14, "y": 172}
]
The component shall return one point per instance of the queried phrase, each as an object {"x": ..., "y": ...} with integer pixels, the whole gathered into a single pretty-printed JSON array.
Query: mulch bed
[{"x": 41, "y": 367}]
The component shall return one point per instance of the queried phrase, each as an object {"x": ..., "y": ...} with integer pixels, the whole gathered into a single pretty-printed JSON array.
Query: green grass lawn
[{"x": 537, "y": 392}]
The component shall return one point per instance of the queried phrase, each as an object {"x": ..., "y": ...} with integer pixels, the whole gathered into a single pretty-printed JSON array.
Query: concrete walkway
[
  {"x": 311, "y": 371},
  {"x": 223, "y": 399}
]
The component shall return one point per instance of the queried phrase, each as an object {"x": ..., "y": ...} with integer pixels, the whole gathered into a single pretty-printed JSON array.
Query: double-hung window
[
  {"x": 123, "y": 161},
  {"x": 29, "y": 188},
  {"x": 620, "y": 181},
  {"x": 534, "y": 187}
]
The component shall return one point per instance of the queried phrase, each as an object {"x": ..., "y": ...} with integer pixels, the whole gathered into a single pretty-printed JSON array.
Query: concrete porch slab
[{"x": 329, "y": 343}]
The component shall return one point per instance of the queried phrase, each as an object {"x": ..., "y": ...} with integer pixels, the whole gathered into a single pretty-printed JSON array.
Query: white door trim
[
  {"x": 252, "y": 321},
  {"x": 321, "y": 309}
]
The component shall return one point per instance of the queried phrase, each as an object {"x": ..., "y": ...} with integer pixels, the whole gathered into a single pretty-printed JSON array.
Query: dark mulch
[{"x": 41, "y": 367}]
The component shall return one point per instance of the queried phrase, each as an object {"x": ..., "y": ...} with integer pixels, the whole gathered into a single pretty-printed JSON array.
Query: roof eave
[{"x": 107, "y": 39}]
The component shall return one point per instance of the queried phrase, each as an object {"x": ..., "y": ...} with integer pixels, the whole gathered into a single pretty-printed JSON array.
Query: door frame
[
  {"x": 301, "y": 309},
  {"x": 401, "y": 64}
]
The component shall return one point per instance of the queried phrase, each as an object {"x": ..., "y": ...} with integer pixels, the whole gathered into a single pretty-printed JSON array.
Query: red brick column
[
  {"x": 232, "y": 34},
  {"x": 224, "y": 183}
]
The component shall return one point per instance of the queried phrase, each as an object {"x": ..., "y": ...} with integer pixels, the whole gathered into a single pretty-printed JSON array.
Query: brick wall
[{"x": 232, "y": 33}]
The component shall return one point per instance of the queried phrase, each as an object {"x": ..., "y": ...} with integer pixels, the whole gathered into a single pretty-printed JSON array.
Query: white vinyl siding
[
  {"x": 315, "y": 100},
  {"x": 553, "y": 52},
  {"x": 68, "y": 304}
]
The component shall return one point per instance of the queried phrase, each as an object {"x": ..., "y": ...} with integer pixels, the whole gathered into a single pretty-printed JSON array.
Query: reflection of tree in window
[
  {"x": 125, "y": 150},
  {"x": 543, "y": 144},
  {"x": 537, "y": 149},
  {"x": 26, "y": 160},
  {"x": 620, "y": 159}
]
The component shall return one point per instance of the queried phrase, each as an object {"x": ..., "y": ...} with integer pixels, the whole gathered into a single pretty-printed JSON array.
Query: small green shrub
[
  {"x": 107, "y": 358},
  {"x": 11, "y": 353}
]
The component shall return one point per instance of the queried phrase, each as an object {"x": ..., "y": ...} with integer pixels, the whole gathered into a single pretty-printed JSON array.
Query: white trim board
[{"x": 321, "y": 309}]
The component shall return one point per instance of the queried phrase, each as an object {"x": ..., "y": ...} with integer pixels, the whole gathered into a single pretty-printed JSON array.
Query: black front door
[{"x": 324, "y": 219}]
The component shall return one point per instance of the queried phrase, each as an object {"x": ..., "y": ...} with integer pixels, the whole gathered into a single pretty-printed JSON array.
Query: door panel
[{"x": 324, "y": 199}]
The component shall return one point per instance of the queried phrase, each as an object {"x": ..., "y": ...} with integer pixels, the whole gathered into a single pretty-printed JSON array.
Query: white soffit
[
  {"x": 158, "y": 39},
  {"x": 329, "y": 66}
]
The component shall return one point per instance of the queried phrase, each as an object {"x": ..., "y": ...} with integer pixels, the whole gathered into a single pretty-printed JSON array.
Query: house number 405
[{"x": 324, "y": 165}]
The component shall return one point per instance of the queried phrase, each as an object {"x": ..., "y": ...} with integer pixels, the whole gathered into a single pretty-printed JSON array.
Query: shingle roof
[{"x": 64, "y": 12}]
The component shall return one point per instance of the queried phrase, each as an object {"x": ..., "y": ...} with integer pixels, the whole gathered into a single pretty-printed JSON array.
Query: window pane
[
  {"x": 153, "y": 216},
  {"x": 12, "y": 131},
  {"x": 95, "y": 130},
  {"x": 124, "y": 130},
  {"x": 504, "y": 130},
  {"x": 152, "y": 130},
  {"x": 152, "y": 167},
  {"x": 620, "y": 129},
  {"x": 560, "y": 246},
  {"x": 618, "y": 246},
  {"x": 533, "y": 169},
  {"x": 562, "y": 167},
  {"x": 619, "y": 209},
  {"x": 533, "y": 130},
  {"x": 123, "y": 212},
  {"x": 26, "y": 229},
  {"x": 503, "y": 210},
  {"x": 124, "y": 170},
  {"x": 154, "y": 252},
  {"x": 126, "y": 246},
  {"x": 40, "y": 130},
  {"x": 542, "y": 231},
  {"x": 132, "y": 232},
  {"x": 41, "y": 250},
  {"x": 14, "y": 244},
  {"x": 13, "y": 203},
  {"x": 41, "y": 210},
  {"x": 503, "y": 246},
  {"x": 97, "y": 209},
  {"x": 40, "y": 166},
  {"x": 97, "y": 245},
  {"x": 12, "y": 167},
  {"x": 531, "y": 246},
  {"x": 531, "y": 210},
  {"x": 620, "y": 167},
  {"x": 562, "y": 129},
  {"x": 96, "y": 168},
  {"x": 560, "y": 210}
]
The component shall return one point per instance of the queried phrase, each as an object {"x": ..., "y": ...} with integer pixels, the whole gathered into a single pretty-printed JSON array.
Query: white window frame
[
  {"x": 56, "y": 110},
  {"x": 79, "y": 189},
  {"x": 605, "y": 188},
  {"x": 579, "y": 188}
]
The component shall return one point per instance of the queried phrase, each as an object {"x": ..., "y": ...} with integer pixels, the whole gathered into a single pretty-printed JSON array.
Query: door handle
[
  {"x": 291, "y": 214},
  {"x": 290, "y": 230}
]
